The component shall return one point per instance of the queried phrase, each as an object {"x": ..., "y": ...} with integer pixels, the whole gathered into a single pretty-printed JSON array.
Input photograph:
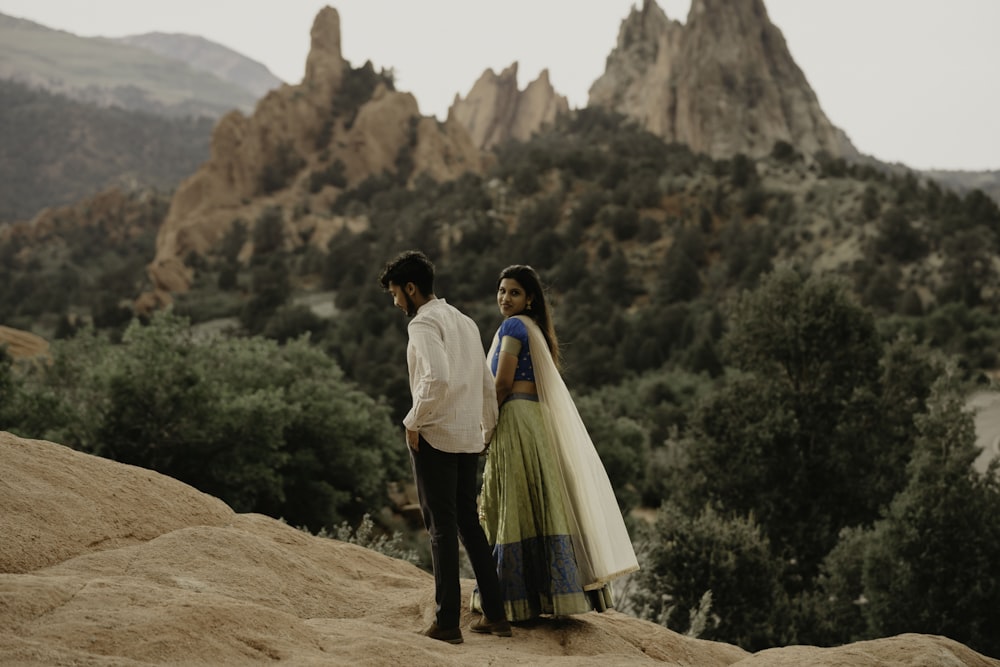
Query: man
[{"x": 453, "y": 415}]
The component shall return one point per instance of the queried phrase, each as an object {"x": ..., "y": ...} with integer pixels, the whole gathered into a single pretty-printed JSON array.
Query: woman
[{"x": 546, "y": 504}]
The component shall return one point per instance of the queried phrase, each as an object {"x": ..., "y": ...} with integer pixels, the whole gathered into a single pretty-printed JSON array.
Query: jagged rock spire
[
  {"x": 495, "y": 110},
  {"x": 723, "y": 83}
]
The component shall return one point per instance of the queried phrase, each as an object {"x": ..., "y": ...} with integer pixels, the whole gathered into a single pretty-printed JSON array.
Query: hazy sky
[{"x": 911, "y": 81}]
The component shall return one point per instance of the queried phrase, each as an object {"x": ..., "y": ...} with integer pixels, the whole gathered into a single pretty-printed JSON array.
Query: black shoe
[
  {"x": 499, "y": 628},
  {"x": 450, "y": 635}
]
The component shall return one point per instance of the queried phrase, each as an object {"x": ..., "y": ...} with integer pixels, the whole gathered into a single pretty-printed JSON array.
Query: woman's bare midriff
[{"x": 523, "y": 387}]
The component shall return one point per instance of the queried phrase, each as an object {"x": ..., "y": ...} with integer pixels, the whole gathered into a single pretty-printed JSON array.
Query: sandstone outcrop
[
  {"x": 495, "y": 110},
  {"x": 297, "y": 130},
  {"x": 22, "y": 344},
  {"x": 723, "y": 83},
  {"x": 103, "y": 564}
]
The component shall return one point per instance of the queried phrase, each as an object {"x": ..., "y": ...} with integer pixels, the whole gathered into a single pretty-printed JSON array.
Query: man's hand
[{"x": 413, "y": 440}]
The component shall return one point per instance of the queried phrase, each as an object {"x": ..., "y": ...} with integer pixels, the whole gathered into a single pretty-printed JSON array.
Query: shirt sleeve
[{"x": 431, "y": 370}]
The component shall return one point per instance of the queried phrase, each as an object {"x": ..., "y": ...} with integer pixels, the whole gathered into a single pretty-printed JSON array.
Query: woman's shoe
[{"x": 499, "y": 628}]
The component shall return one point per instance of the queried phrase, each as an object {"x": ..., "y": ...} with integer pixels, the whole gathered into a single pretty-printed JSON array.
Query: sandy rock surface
[{"x": 108, "y": 564}]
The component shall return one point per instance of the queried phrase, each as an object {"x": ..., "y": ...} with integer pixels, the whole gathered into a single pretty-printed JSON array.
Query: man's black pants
[{"x": 446, "y": 488}]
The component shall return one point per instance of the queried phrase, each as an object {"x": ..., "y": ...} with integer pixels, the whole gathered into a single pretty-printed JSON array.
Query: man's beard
[{"x": 411, "y": 308}]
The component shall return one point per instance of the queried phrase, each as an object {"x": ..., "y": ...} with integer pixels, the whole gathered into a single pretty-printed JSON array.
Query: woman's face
[{"x": 511, "y": 297}]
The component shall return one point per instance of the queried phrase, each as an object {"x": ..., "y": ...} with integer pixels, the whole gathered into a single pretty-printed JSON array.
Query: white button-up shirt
[{"x": 454, "y": 398}]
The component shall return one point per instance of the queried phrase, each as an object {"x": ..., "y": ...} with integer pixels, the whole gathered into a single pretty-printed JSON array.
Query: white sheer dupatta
[{"x": 601, "y": 541}]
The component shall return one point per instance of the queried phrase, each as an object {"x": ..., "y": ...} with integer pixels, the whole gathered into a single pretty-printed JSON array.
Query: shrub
[
  {"x": 685, "y": 557},
  {"x": 279, "y": 170}
]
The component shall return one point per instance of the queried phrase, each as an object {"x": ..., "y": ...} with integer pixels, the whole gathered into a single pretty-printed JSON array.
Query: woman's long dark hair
[{"x": 532, "y": 284}]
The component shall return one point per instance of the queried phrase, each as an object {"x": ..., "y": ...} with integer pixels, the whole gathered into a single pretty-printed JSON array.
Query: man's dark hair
[{"x": 411, "y": 266}]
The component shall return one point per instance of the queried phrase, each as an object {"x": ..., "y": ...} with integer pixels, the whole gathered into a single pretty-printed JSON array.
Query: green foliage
[
  {"x": 232, "y": 243},
  {"x": 90, "y": 263},
  {"x": 782, "y": 151},
  {"x": 266, "y": 428},
  {"x": 365, "y": 535},
  {"x": 622, "y": 220},
  {"x": 793, "y": 438},
  {"x": 688, "y": 556},
  {"x": 269, "y": 231},
  {"x": 333, "y": 174},
  {"x": 271, "y": 288},
  {"x": 44, "y": 162},
  {"x": 870, "y": 204},
  {"x": 742, "y": 171},
  {"x": 898, "y": 238},
  {"x": 623, "y": 445},
  {"x": 929, "y": 564},
  {"x": 833, "y": 612},
  {"x": 968, "y": 267},
  {"x": 357, "y": 87},
  {"x": 291, "y": 322},
  {"x": 280, "y": 169}
]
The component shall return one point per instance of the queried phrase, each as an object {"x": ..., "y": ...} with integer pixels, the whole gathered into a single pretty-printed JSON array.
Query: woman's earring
[{"x": 529, "y": 306}]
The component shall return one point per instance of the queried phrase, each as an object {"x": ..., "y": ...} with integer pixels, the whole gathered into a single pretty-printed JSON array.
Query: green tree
[
  {"x": 870, "y": 204},
  {"x": 930, "y": 564},
  {"x": 166, "y": 412},
  {"x": 279, "y": 170},
  {"x": 898, "y": 238},
  {"x": 271, "y": 287},
  {"x": 968, "y": 266},
  {"x": 265, "y": 427},
  {"x": 792, "y": 437},
  {"x": 268, "y": 231},
  {"x": 623, "y": 445},
  {"x": 685, "y": 556}
]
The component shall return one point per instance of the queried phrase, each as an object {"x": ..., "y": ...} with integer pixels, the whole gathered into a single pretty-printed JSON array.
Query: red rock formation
[
  {"x": 724, "y": 83},
  {"x": 23, "y": 344},
  {"x": 298, "y": 125},
  {"x": 495, "y": 110}
]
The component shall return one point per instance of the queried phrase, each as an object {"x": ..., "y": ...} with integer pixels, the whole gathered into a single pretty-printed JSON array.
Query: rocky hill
[
  {"x": 495, "y": 110},
  {"x": 109, "y": 73},
  {"x": 302, "y": 146},
  {"x": 22, "y": 344},
  {"x": 206, "y": 56},
  {"x": 57, "y": 151},
  {"x": 723, "y": 83},
  {"x": 109, "y": 564}
]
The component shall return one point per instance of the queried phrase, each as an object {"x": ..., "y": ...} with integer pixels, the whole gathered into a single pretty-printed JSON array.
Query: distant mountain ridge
[
  {"x": 107, "y": 72},
  {"x": 82, "y": 114},
  {"x": 208, "y": 56}
]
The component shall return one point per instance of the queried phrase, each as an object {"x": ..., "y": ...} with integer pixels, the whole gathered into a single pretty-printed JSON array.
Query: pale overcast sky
[{"x": 911, "y": 81}]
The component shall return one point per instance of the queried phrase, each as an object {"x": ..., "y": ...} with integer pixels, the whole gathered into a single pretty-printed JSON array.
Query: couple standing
[{"x": 547, "y": 536}]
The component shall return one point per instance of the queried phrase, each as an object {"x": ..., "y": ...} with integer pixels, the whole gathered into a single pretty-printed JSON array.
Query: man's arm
[{"x": 431, "y": 373}]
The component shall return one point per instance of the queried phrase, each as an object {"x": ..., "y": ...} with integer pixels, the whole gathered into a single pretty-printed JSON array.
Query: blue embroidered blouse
[{"x": 514, "y": 328}]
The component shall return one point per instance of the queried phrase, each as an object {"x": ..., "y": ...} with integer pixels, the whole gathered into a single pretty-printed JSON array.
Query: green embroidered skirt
[{"x": 523, "y": 511}]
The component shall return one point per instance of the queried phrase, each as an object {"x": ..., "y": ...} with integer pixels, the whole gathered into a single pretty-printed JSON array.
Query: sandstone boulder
[
  {"x": 23, "y": 344},
  {"x": 106, "y": 564}
]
